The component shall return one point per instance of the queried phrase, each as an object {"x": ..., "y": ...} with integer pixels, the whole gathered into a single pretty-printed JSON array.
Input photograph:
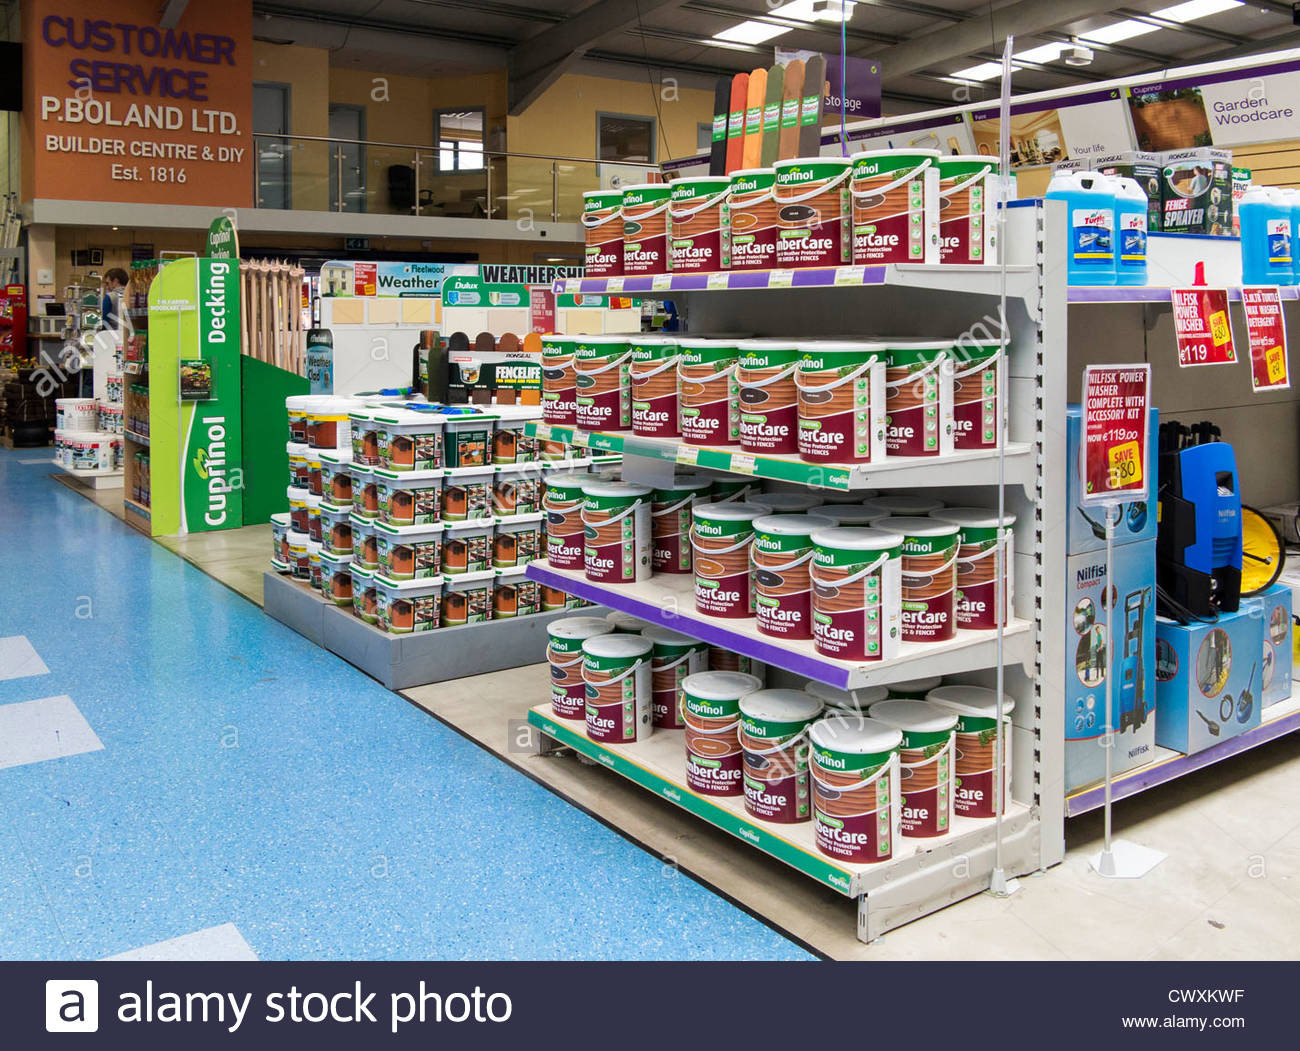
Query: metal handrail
[{"x": 435, "y": 149}]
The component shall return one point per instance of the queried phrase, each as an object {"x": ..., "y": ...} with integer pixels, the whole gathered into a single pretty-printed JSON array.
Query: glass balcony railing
[{"x": 385, "y": 178}]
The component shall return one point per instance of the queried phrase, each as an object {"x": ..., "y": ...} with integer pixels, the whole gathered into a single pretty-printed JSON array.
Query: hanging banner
[
  {"x": 861, "y": 80},
  {"x": 1113, "y": 456},
  {"x": 541, "y": 309},
  {"x": 1269, "y": 369},
  {"x": 1202, "y": 327},
  {"x": 223, "y": 239},
  {"x": 1054, "y": 132}
]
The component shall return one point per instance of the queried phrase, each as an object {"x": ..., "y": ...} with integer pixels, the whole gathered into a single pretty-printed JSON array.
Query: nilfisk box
[
  {"x": 1208, "y": 679},
  {"x": 1275, "y": 605},
  {"x": 1086, "y": 527},
  {"x": 1133, "y": 691}
]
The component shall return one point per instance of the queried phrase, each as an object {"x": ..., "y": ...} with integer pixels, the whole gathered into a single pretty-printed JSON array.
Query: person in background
[{"x": 114, "y": 287}]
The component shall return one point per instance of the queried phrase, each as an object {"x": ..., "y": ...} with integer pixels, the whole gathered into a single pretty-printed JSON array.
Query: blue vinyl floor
[{"x": 206, "y": 789}]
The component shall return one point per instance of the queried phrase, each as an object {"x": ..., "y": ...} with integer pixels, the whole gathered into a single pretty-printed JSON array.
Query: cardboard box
[
  {"x": 1086, "y": 529},
  {"x": 1144, "y": 169},
  {"x": 1208, "y": 679},
  {"x": 1133, "y": 692},
  {"x": 1196, "y": 191},
  {"x": 1275, "y": 605}
]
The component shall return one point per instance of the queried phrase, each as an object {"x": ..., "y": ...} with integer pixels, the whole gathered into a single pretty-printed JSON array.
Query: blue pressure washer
[
  {"x": 1198, "y": 540},
  {"x": 1134, "y": 705}
]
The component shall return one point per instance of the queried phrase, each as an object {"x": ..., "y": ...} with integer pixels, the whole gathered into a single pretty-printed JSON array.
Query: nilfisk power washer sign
[
  {"x": 1113, "y": 456},
  {"x": 1202, "y": 327}
]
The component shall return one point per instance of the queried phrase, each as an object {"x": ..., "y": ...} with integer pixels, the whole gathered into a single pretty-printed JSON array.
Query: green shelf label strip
[{"x": 818, "y": 868}]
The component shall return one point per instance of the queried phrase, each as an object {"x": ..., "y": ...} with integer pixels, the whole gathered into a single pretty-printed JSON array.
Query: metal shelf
[
  {"x": 136, "y": 507},
  {"x": 901, "y": 472},
  {"x": 658, "y": 764},
  {"x": 1279, "y": 719},
  {"x": 1022, "y": 281},
  {"x": 111, "y": 478},
  {"x": 139, "y": 439},
  {"x": 668, "y": 599}
]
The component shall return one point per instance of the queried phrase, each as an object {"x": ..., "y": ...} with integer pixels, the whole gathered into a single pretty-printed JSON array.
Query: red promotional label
[
  {"x": 1113, "y": 453},
  {"x": 1267, "y": 329},
  {"x": 365, "y": 279},
  {"x": 541, "y": 309},
  {"x": 1202, "y": 326}
]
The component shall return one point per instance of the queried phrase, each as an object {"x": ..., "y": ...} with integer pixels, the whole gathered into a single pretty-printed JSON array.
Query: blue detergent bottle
[
  {"x": 1131, "y": 209},
  {"x": 1090, "y": 198},
  {"x": 1266, "y": 229}
]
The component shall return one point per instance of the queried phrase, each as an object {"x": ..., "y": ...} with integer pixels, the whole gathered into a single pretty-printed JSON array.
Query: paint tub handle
[
  {"x": 673, "y": 509},
  {"x": 620, "y": 677},
  {"x": 842, "y": 789},
  {"x": 562, "y": 664},
  {"x": 789, "y": 742},
  {"x": 706, "y": 203},
  {"x": 784, "y": 374},
  {"x": 719, "y": 551},
  {"x": 839, "y": 382},
  {"x": 767, "y": 195},
  {"x": 704, "y": 379},
  {"x": 669, "y": 363},
  {"x": 876, "y": 190},
  {"x": 593, "y": 221},
  {"x": 983, "y": 363},
  {"x": 787, "y": 565},
  {"x": 852, "y": 578},
  {"x": 605, "y": 368},
  {"x": 939, "y": 359},
  {"x": 958, "y": 187},
  {"x": 808, "y": 195},
  {"x": 617, "y": 518}
]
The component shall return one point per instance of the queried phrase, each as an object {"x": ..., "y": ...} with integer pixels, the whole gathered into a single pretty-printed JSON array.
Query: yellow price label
[
  {"x": 1220, "y": 329},
  {"x": 1125, "y": 463},
  {"x": 1275, "y": 359}
]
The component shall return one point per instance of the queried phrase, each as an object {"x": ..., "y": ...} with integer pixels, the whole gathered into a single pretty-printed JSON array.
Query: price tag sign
[
  {"x": 848, "y": 275},
  {"x": 1267, "y": 329},
  {"x": 1113, "y": 456},
  {"x": 613, "y": 285},
  {"x": 718, "y": 279},
  {"x": 688, "y": 455},
  {"x": 661, "y": 282},
  {"x": 742, "y": 463},
  {"x": 1202, "y": 327},
  {"x": 780, "y": 279}
]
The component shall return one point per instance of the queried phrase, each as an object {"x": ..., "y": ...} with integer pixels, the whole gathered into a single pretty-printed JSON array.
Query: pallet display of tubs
[
  {"x": 88, "y": 441},
  {"x": 410, "y": 524},
  {"x": 852, "y": 583}
]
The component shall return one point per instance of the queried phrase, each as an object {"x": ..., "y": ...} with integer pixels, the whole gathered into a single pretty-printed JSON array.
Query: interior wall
[{"x": 304, "y": 69}]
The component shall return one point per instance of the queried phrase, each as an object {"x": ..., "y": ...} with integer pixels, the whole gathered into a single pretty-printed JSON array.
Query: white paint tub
[{"x": 76, "y": 414}]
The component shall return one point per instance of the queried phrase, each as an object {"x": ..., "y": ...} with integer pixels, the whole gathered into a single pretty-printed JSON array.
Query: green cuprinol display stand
[
  {"x": 266, "y": 425},
  {"x": 196, "y": 447}
]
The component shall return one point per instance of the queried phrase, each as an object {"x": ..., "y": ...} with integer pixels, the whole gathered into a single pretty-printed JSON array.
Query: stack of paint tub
[
  {"x": 875, "y": 208},
  {"x": 826, "y": 402},
  {"x": 419, "y": 516},
  {"x": 88, "y": 434}
]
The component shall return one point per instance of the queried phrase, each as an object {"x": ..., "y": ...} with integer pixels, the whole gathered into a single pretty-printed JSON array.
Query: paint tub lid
[
  {"x": 314, "y": 548},
  {"x": 846, "y": 496},
  {"x": 605, "y": 340},
  {"x": 913, "y": 343},
  {"x": 721, "y": 685},
  {"x": 297, "y": 495},
  {"x": 839, "y": 162},
  {"x": 466, "y": 419},
  {"x": 901, "y": 152},
  {"x": 313, "y": 502},
  {"x": 910, "y": 526},
  {"x": 791, "y": 525},
  {"x": 849, "y": 514},
  {"x": 973, "y": 517},
  {"x": 922, "y": 685},
  {"x": 751, "y": 171},
  {"x": 978, "y": 701},
  {"x": 411, "y": 588},
  {"x": 920, "y": 717},
  {"x": 686, "y": 483},
  {"x": 516, "y": 523},
  {"x": 361, "y": 468},
  {"x": 856, "y": 539},
  {"x": 472, "y": 527},
  {"x": 428, "y": 477},
  {"x": 329, "y": 510},
  {"x": 843, "y": 346},
  {"x": 76, "y": 403},
  {"x": 298, "y": 449},
  {"x": 509, "y": 575},
  {"x": 465, "y": 581},
  {"x": 626, "y": 623},
  {"x": 854, "y": 735},
  {"x": 653, "y": 339},
  {"x": 859, "y": 700},
  {"x": 336, "y": 457},
  {"x": 299, "y": 401},
  {"x": 360, "y": 522},
  {"x": 411, "y": 532},
  {"x": 599, "y": 193},
  {"x": 298, "y": 538},
  {"x": 363, "y": 415},
  {"x": 767, "y": 343},
  {"x": 783, "y": 503},
  {"x": 358, "y": 570},
  {"x": 732, "y": 510},
  {"x": 602, "y": 488},
  {"x": 616, "y": 645},
  {"x": 781, "y": 706},
  {"x": 711, "y": 343},
  {"x": 567, "y": 481},
  {"x": 279, "y": 566},
  {"x": 513, "y": 413},
  {"x": 667, "y": 637},
  {"x": 905, "y": 504},
  {"x": 337, "y": 560},
  {"x": 407, "y": 418},
  {"x": 466, "y": 472},
  {"x": 280, "y": 519},
  {"x": 647, "y": 186},
  {"x": 579, "y": 627}
]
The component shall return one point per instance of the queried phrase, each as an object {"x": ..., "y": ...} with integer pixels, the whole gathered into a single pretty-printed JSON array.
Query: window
[
  {"x": 625, "y": 138},
  {"x": 459, "y": 135},
  {"x": 347, "y": 158},
  {"x": 270, "y": 123}
]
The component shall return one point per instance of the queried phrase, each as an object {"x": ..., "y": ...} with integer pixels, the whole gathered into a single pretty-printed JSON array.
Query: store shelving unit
[
  {"x": 906, "y": 300},
  {"x": 136, "y": 371}
]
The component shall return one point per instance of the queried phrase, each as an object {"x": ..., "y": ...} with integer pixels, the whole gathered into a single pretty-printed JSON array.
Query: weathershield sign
[
  {"x": 1269, "y": 369},
  {"x": 1113, "y": 456},
  {"x": 1202, "y": 327}
]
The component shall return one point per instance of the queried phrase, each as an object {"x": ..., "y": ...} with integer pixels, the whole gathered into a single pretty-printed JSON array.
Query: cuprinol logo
[{"x": 210, "y": 466}]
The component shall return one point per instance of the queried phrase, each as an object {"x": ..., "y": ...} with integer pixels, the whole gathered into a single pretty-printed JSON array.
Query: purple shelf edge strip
[
  {"x": 1149, "y": 777},
  {"x": 716, "y": 635}
]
